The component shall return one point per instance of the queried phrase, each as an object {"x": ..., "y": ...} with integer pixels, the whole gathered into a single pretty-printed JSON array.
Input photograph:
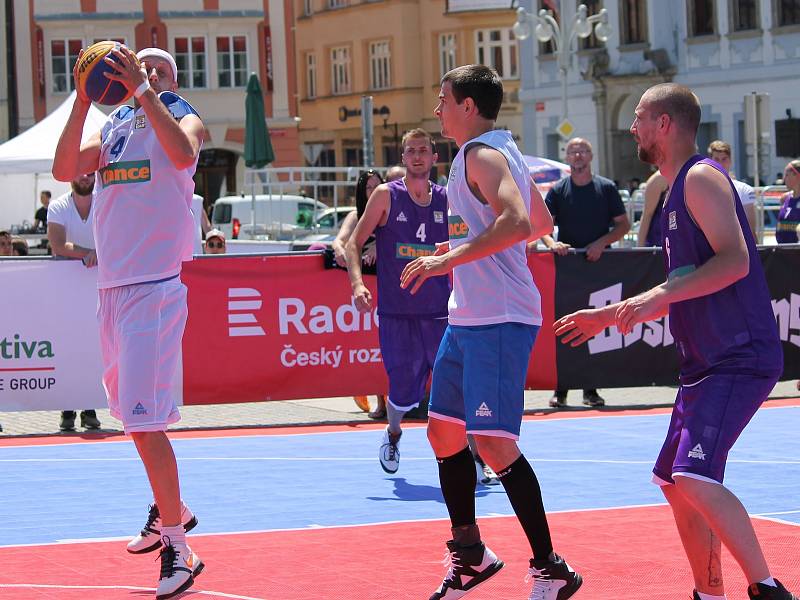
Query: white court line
[
  {"x": 316, "y": 526},
  {"x": 774, "y": 520},
  {"x": 344, "y": 428},
  {"x": 134, "y": 588},
  {"x": 366, "y": 459}
]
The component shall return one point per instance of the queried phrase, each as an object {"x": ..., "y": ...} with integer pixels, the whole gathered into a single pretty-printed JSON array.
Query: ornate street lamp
[{"x": 546, "y": 28}]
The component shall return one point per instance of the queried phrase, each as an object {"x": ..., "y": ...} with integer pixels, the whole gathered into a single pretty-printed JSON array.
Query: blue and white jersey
[{"x": 143, "y": 225}]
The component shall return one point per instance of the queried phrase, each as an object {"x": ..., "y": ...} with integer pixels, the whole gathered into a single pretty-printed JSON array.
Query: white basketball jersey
[
  {"x": 143, "y": 224},
  {"x": 498, "y": 288}
]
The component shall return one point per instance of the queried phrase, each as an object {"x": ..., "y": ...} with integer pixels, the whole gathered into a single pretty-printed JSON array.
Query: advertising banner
[{"x": 49, "y": 341}]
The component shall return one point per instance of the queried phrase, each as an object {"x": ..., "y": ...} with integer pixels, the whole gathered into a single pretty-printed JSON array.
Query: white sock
[
  {"x": 175, "y": 534},
  {"x": 703, "y": 596},
  {"x": 770, "y": 582}
]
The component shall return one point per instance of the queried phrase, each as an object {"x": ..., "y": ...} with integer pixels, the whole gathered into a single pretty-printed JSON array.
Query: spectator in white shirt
[{"x": 720, "y": 152}]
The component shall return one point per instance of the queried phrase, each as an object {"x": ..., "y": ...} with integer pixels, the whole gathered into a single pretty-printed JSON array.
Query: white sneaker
[
  {"x": 149, "y": 537},
  {"x": 179, "y": 567},
  {"x": 486, "y": 476},
  {"x": 389, "y": 453},
  {"x": 552, "y": 579}
]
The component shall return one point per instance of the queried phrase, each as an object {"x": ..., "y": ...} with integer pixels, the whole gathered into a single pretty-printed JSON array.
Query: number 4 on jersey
[{"x": 421, "y": 233}]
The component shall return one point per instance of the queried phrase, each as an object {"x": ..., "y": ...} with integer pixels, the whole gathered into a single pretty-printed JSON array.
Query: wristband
[{"x": 141, "y": 89}]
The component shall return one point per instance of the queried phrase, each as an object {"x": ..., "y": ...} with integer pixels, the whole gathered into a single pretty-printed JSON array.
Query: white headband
[{"x": 163, "y": 54}]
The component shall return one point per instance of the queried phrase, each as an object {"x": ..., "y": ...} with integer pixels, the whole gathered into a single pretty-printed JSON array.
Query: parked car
[{"x": 274, "y": 214}]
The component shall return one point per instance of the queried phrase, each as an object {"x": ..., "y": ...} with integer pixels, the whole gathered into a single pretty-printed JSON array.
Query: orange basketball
[{"x": 91, "y": 75}]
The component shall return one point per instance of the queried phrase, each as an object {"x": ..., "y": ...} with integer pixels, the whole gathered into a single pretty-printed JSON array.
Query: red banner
[{"x": 284, "y": 327}]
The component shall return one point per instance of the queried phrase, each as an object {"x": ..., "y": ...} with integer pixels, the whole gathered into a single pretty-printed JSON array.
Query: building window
[
  {"x": 497, "y": 48},
  {"x": 380, "y": 65},
  {"x": 701, "y": 19},
  {"x": 308, "y": 7},
  {"x": 232, "y": 61},
  {"x": 634, "y": 22},
  {"x": 788, "y": 12},
  {"x": 190, "y": 58},
  {"x": 340, "y": 70},
  {"x": 353, "y": 157},
  {"x": 63, "y": 56},
  {"x": 592, "y": 8},
  {"x": 311, "y": 75},
  {"x": 337, "y": 3},
  {"x": 447, "y": 53},
  {"x": 744, "y": 15}
]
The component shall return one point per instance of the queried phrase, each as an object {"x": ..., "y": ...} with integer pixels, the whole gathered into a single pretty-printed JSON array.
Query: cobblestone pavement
[{"x": 334, "y": 411}]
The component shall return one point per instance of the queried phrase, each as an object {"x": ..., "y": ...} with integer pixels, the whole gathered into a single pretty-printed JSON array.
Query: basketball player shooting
[{"x": 145, "y": 157}]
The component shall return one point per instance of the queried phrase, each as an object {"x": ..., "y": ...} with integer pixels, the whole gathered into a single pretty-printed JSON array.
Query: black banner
[{"x": 647, "y": 355}]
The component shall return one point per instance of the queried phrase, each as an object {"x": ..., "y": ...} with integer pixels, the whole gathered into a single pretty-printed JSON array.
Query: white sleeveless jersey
[
  {"x": 143, "y": 225},
  {"x": 498, "y": 288}
]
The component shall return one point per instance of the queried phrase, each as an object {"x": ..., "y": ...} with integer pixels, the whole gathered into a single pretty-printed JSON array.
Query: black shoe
[
  {"x": 67, "y": 420},
  {"x": 553, "y": 579},
  {"x": 467, "y": 569},
  {"x": 593, "y": 399},
  {"x": 559, "y": 400},
  {"x": 760, "y": 591},
  {"x": 89, "y": 420}
]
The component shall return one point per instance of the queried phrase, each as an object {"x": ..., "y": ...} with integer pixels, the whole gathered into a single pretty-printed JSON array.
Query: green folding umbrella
[{"x": 258, "y": 150}]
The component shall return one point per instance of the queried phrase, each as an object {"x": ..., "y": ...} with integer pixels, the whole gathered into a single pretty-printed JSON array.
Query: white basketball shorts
[{"x": 141, "y": 330}]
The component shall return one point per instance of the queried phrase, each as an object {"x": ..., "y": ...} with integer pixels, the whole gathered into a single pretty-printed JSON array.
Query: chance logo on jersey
[
  {"x": 133, "y": 171},
  {"x": 409, "y": 251},
  {"x": 456, "y": 228}
]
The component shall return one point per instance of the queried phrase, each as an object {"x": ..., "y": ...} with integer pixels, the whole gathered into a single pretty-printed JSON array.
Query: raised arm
[{"x": 72, "y": 158}]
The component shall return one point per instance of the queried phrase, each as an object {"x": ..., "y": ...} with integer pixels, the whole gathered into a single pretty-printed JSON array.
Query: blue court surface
[{"x": 257, "y": 483}]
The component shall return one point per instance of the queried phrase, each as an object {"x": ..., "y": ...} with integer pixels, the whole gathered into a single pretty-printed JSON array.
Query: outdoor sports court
[{"x": 307, "y": 513}]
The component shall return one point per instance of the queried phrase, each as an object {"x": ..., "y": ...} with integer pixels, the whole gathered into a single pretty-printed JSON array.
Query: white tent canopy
[{"x": 33, "y": 150}]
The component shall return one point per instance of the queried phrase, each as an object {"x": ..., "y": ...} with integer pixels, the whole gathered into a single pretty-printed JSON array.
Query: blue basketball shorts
[
  {"x": 479, "y": 377},
  {"x": 408, "y": 347}
]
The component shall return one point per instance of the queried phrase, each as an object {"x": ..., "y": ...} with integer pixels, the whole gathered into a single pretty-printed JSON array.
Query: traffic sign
[{"x": 565, "y": 129}]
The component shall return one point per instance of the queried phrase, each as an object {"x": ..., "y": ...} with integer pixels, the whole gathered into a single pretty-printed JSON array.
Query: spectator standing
[
  {"x": 40, "y": 218},
  {"x": 215, "y": 242},
  {"x": 69, "y": 232},
  {"x": 720, "y": 152},
  {"x": 789, "y": 213},
  {"x": 589, "y": 214},
  {"x": 655, "y": 191}
]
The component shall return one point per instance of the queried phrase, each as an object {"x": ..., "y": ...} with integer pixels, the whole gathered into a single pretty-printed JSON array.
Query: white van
[{"x": 274, "y": 214}]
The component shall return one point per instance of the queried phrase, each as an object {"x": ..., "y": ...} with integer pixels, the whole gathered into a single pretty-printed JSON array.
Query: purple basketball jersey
[
  {"x": 732, "y": 330},
  {"x": 411, "y": 231}
]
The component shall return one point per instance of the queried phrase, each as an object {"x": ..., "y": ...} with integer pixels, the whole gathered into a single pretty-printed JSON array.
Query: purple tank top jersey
[
  {"x": 732, "y": 330},
  {"x": 788, "y": 220},
  {"x": 411, "y": 231}
]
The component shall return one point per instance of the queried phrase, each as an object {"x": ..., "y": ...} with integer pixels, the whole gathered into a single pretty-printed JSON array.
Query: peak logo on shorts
[
  {"x": 139, "y": 409},
  {"x": 409, "y": 251},
  {"x": 132, "y": 171},
  {"x": 483, "y": 411},
  {"x": 697, "y": 452}
]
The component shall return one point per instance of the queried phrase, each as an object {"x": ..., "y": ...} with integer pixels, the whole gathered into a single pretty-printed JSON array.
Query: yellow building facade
[{"x": 395, "y": 51}]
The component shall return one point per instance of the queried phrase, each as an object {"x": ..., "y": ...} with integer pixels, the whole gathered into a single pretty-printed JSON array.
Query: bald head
[{"x": 677, "y": 101}]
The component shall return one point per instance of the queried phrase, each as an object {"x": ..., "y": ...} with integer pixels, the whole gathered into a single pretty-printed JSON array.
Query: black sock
[
  {"x": 525, "y": 496},
  {"x": 458, "y": 478}
]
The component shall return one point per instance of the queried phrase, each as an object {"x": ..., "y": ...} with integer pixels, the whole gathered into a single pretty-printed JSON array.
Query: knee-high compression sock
[
  {"x": 458, "y": 478},
  {"x": 525, "y": 496}
]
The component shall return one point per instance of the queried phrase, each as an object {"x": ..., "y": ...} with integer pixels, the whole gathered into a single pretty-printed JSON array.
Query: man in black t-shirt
[
  {"x": 40, "y": 219},
  {"x": 589, "y": 214}
]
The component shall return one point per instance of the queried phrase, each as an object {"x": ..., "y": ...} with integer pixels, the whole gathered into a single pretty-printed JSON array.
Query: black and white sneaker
[
  {"x": 179, "y": 567},
  {"x": 552, "y": 579},
  {"x": 467, "y": 568},
  {"x": 761, "y": 591},
  {"x": 149, "y": 537},
  {"x": 389, "y": 453},
  {"x": 486, "y": 476}
]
